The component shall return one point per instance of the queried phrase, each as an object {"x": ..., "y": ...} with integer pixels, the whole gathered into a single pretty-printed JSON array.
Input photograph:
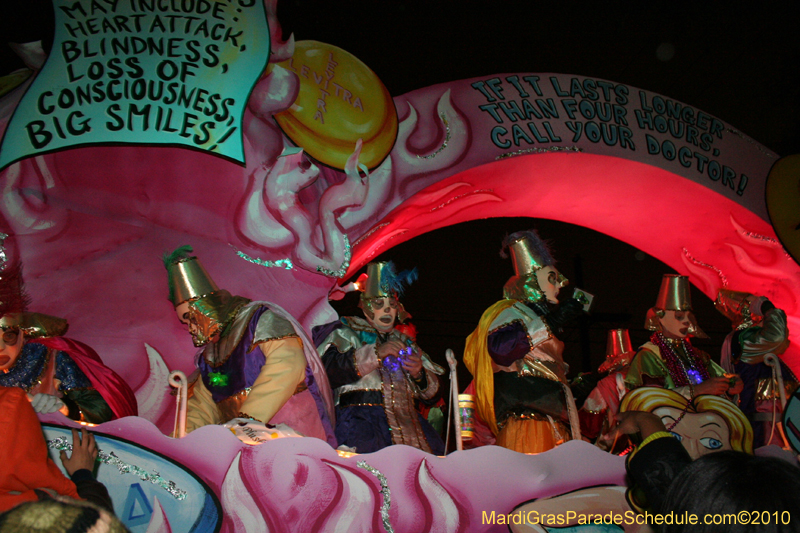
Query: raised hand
[
  {"x": 84, "y": 452},
  {"x": 714, "y": 386},
  {"x": 388, "y": 348},
  {"x": 413, "y": 364}
]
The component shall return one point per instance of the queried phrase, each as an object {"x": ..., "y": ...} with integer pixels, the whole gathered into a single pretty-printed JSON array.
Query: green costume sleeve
[
  {"x": 714, "y": 370},
  {"x": 647, "y": 368},
  {"x": 771, "y": 337}
]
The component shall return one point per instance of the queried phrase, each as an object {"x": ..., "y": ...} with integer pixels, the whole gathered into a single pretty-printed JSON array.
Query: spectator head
[
  {"x": 726, "y": 483},
  {"x": 59, "y": 515}
]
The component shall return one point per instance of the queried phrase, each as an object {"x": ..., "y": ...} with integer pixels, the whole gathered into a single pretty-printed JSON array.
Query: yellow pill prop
[
  {"x": 783, "y": 202},
  {"x": 340, "y": 101}
]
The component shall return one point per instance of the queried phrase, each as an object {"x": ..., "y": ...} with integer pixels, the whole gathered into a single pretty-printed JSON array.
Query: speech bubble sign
[{"x": 171, "y": 72}]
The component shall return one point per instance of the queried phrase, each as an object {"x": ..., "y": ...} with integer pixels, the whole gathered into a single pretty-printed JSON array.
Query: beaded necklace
[{"x": 674, "y": 363}]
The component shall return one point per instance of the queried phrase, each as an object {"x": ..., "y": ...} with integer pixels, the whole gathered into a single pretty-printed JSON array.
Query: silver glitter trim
[
  {"x": 370, "y": 232},
  {"x": 345, "y": 264},
  {"x": 454, "y": 198},
  {"x": 446, "y": 139},
  {"x": 155, "y": 478},
  {"x": 751, "y": 141},
  {"x": 283, "y": 263},
  {"x": 539, "y": 151},
  {"x": 691, "y": 258},
  {"x": 758, "y": 237},
  {"x": 387, "y": 496}
]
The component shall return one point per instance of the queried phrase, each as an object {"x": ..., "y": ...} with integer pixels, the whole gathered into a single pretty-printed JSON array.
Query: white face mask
[
  {"x": 384, "y": 313},
  {"x": 675, "y": 324},
  {"x": 186, "y": 317},
  {"x": 550, "y": 281}
]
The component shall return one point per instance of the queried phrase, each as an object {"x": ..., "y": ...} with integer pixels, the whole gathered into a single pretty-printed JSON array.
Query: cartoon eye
[
  {"x": 677, "y": 436},
  {"x": 711, "y": 443}
]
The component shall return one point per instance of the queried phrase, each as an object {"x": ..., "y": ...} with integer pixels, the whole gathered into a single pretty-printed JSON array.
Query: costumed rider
[
  {"x": 759, "y": 328},
  {"x": 377, "y": 372},
  {"x": 669, "y": 360},
  {"x": 599, "y": 411},
  {"x": 59, "y": 374},
  {"x": 515, "y": 357},
  {"x": 255, "y": 365}
]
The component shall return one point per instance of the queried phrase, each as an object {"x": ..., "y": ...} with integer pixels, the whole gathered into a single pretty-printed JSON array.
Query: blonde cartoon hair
[{"x": 649, "y": 399}]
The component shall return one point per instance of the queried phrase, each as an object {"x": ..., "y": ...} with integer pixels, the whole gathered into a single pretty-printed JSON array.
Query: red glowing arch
[{"x": 689, "y": 227}]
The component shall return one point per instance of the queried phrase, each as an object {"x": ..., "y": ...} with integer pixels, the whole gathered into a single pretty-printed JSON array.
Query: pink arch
[{"x": 691, "y": 228}]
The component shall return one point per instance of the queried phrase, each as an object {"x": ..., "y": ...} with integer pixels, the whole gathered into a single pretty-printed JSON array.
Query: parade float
[{"x": 152, "y": 125}]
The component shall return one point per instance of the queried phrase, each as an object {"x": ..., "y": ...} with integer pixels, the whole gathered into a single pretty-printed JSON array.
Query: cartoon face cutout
[
  {"x": 675, "y": 324},
  {"x": 700, "y": 433}
]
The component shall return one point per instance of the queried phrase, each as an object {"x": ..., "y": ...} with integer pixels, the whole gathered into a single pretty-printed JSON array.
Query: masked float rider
[
  {"x": 58, "y": 373},
  {"x": 252, "y": 363},
  {"x": 377, "y": 372},
  {"x": 759, "y": 328},
  {"x": 599, "y": 411},
  {"x": 669, "y": 360},
  {"x": 515, "y": 357}
]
